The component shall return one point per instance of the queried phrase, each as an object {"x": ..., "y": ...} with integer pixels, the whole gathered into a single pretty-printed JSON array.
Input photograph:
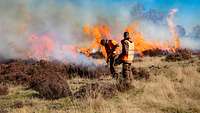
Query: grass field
[{"x": 173, "y": 87}]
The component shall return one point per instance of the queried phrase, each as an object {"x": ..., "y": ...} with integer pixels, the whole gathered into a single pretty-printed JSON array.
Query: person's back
[
  {"x": 112, "y": 50},
  {"x": 111, "y": 47}
]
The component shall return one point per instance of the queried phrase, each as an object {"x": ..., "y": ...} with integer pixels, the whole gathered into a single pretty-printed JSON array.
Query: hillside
[{"x": 160, "y": 87}]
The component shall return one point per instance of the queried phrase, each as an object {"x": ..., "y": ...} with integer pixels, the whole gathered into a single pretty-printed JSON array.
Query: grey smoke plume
[{"x": 63, "y": 22}]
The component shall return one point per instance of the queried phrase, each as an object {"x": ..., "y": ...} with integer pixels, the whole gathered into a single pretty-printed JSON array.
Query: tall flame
[
  {"x": 42, "y": 47},
  {"x": 96, "y": 33}
]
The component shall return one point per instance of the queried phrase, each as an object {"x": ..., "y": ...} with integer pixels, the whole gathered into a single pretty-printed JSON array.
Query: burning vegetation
[
  {"x": 142, "y": 46},
  {"x": 41, "y": 69},
  {"x": 52, "y": 60}
]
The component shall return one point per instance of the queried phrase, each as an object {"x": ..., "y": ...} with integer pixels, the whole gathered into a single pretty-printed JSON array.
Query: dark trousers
[
  {"x": 126, "y": 73},
  {"x": 126, "y": 78},
  {"x": 112, "y": 66}
]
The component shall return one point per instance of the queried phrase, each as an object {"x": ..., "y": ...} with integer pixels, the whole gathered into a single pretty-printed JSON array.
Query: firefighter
[
  {"x": 112, "y": 51},
  {"x": 126, "y": 57}
]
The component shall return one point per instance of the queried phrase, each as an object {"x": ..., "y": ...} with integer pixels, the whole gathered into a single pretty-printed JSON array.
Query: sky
[
  {"x": 188, "y": 15},
  {"x": 189, "y": 10}
]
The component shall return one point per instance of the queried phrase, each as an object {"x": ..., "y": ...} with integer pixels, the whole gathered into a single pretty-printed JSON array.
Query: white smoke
[
  {"x": 64, "y": 21},
  {"x": 172, "y": 26},
  {"x": 155, "y": 32}
]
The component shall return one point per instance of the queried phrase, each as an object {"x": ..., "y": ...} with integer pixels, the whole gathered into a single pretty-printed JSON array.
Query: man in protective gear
[
  {"x": 126, "y": 57},
  {"x": 112, "y": 51}
]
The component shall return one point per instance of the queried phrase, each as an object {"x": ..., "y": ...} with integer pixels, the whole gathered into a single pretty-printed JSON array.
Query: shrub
[{"x": 50, "y": 86}]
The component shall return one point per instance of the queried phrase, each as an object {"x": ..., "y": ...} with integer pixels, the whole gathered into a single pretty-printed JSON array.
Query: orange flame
[
  {"x": 99, "y": 32},
  {"x": 140, "y": 43}
]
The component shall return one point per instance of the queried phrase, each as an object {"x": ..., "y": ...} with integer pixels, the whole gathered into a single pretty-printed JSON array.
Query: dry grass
[{"x": 173, "y": 87}]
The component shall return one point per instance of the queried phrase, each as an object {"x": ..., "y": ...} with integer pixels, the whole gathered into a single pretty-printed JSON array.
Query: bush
[
  {"x": 179, "y": 55},
  {"x": 50, "y": 86},
  {"x": 46, "y": 77},
  {"x": 155, "y": 52}
]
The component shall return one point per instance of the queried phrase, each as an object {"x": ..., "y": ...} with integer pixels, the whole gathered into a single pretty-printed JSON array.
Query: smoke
[
  {"x": 62, "y": 22},
  {"x": 172, "y": 26},
  {"x": 154, "y": 32},
  {"x": 50, "y": 26}
]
